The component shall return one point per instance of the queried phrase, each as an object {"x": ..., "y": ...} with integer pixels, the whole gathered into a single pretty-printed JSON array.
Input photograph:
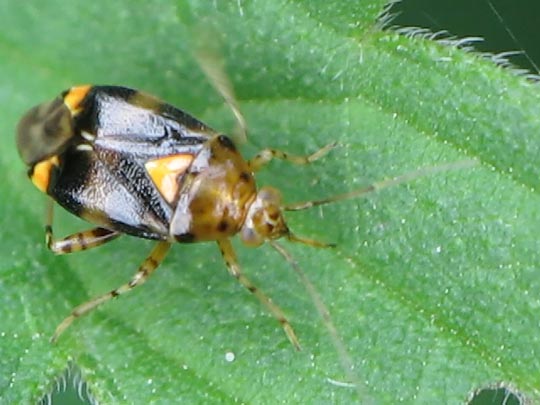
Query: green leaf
[{"x": 434, "y": 286}]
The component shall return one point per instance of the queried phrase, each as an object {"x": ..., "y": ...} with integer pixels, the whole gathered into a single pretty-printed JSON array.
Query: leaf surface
[{"x": 433, "y": 286}]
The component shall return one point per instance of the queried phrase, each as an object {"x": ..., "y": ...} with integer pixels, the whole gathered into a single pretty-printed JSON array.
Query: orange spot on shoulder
[
  {"x": 75, "y": 96},
  {"x": 165, "y": 171},
  {"x": 41, "y": 175}
]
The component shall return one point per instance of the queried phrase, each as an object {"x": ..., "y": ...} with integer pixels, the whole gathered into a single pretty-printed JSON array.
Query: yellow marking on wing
[
  {"x": 165, "y": 171},
  {"x": 41, "y": 175},
  {"x": 75, "y": 96}
]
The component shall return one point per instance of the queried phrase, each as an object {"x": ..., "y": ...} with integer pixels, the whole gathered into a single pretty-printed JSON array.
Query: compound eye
[
  {"x": 269, "y": 196},
  {"x": 250, "y": 237},
  {"x": 44, "y": 131}
]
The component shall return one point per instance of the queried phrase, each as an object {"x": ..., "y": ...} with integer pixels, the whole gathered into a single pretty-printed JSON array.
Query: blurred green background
[{"x": 505, "y": 26}]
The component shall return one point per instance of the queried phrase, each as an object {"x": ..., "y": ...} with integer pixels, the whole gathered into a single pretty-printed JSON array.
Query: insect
[{"x": 131, "y": 164}]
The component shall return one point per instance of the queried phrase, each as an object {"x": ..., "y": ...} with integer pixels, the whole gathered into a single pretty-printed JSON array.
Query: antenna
[
  {"x": 511, "y": 35},
  {"x": 344, "y": 357},
  {"x": 374, "y": 187}
]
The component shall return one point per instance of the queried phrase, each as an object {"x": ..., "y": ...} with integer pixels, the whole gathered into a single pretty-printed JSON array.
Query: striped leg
[
  {"x": 145, "y": 270},
  {"x": 266, "y": 155},
  {"x": 78, "y": 241},
  {"x": 229, "y": 256}
]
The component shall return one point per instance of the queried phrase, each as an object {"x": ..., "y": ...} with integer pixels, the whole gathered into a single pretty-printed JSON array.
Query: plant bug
[{"x": 132, "y": 164}]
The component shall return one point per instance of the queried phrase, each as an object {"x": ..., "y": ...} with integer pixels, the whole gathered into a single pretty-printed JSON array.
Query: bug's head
[{"x": 264, "y": 220}]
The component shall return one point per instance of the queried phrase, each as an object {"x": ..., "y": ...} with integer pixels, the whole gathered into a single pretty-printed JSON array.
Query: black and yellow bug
[{"x": 132, "y": 164}]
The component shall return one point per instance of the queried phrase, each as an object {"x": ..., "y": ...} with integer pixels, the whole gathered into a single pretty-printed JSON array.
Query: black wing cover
[{"x": 102, "y": 176}]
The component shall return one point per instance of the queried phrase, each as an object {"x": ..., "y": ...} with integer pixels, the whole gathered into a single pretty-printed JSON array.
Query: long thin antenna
[
  {"x": 423, "y": 171},
  {"x": 343, "y": 353},
  {"x": 511, "y": 35}
]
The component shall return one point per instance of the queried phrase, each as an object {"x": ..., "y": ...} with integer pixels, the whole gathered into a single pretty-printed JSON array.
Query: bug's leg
[
  {"x": 212, "y": 64},
  {"x": 266, "y": 155},
  {"x": 211, "y": 61},
  {"x": 145, "y": 270},
  {"x": 78, "y": 241},
  {"x": 229, "y": 256}
]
